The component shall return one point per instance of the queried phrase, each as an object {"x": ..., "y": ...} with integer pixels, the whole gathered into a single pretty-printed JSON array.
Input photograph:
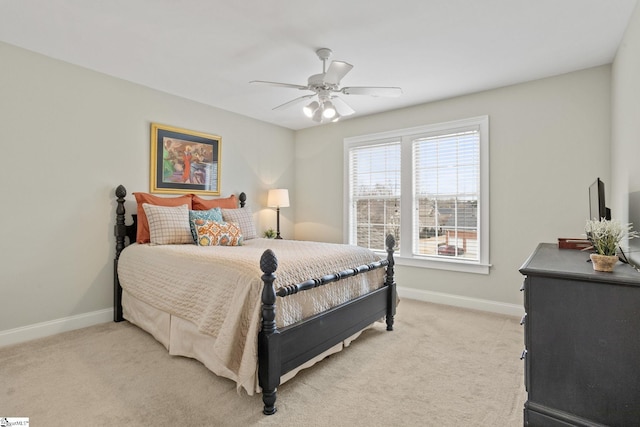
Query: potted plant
[
  {"x": 270, "y": 233},
  {"x": 605, "y": 237}
]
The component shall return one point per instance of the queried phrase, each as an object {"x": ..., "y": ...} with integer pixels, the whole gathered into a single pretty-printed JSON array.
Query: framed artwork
[{"x": 184, "y": 161}]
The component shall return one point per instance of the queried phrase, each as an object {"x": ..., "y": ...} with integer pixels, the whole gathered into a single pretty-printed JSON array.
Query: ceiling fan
[{"x": 325, "y": 104}]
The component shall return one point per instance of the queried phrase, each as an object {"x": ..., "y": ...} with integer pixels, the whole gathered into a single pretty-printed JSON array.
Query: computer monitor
[{"x": 597, "y": 206}]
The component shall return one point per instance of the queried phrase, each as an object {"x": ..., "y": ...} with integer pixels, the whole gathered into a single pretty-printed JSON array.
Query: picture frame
[{"x": 184, "y": 161}]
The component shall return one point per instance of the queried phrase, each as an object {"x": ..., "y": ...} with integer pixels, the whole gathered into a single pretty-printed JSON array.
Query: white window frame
[{"x": 404, "y": 254}]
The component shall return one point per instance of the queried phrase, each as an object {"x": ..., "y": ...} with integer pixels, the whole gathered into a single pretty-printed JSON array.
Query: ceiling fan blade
[
  {"x": 342, "y": 107},
  {"x": 289, "y": 85},
  {"x": 389, "y": 92},
  {"x": 293, "y": 102},
  {"x": 337, "y": 70}
]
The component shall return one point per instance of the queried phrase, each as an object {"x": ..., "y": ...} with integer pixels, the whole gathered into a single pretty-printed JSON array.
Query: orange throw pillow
[
  {"x": 211, "y": 233},
  {"x": 200, "y": 204},
  {"x": 143, "y": 235}
]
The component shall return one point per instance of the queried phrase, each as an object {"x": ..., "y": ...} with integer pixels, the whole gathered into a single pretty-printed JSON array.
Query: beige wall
[
  {"x": 625, "y": 112},
  {"x": 69, "y": 137},
  {"x": 549, "y": 139}
]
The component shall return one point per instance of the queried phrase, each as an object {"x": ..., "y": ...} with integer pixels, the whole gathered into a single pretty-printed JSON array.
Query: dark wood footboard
[{"x": 280, "y": 351}]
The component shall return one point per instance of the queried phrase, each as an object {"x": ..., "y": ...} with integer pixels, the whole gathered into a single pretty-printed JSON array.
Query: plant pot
[{"x": 603, "y": 262}]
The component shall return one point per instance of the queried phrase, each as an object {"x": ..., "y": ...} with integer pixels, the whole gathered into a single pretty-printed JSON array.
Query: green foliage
[{"x": 605, "y": 235}]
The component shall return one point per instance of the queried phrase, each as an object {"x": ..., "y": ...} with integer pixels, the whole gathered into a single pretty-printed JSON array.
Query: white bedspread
[{"x": 219, "y": 288}]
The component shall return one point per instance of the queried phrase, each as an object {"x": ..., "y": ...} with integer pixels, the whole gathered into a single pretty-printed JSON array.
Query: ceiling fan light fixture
[
  {"x": 310, "y": 108},
  {"x": 328, "y": 110},
  {"x": 326, "y": 105},
  {"x": 317, "y": 115}
]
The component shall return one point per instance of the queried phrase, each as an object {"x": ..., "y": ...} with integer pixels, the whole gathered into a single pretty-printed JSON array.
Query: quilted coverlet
[{"x": 218, "y": 288}]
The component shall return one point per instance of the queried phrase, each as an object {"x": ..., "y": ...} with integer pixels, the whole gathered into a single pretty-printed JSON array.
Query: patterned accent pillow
[
  {"x": 199, "y": 217},
  {"x": 143, "y": 235},
  {"x": 212, "y": 233},
  {"x": 168, "y": 225},
  {"x": 244, "y": 218}
]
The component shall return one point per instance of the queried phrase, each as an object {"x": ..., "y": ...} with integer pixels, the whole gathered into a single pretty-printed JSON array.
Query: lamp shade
[
  {"x": 328, "y": 110},
  {"x": 278, "y": 198},
  {"x": 310, "y": 109}
]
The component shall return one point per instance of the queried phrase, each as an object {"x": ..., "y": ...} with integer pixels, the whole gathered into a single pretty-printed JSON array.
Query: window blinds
[
  {"x": 446, "y": 193},
  {"x": 374, "y": 190}
]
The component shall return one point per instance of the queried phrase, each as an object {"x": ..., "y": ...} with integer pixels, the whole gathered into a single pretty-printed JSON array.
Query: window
[
  {"x": 375, "y": 193},
  {"x": 428, "y": 186}
]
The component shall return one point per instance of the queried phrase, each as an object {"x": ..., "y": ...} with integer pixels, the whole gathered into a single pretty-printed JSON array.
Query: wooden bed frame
[{"x": 282, "y": 350}]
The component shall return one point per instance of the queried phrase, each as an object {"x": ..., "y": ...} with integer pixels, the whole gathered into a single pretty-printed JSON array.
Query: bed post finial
[
  {"x": 121, "y": 192},
  {"x": 390, "y": 282},
  {"x": 269, "y": 337}
]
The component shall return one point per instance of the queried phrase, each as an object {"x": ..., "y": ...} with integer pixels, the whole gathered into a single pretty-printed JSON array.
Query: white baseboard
[
  {"x": 52, "y": 327},
  {"x": 460, "y": 301}
]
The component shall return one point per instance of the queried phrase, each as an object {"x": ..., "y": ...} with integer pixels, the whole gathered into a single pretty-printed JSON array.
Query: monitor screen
[{"x": 597, "y": 206}]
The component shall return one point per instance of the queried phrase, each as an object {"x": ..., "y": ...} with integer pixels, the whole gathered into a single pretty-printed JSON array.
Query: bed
[{"x": 244, "y": 312}]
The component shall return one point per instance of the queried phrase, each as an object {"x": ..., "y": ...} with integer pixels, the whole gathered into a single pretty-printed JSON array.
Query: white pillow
[
  {"x": 244, "y": 218},
  {"x": 168, "y": 225}
]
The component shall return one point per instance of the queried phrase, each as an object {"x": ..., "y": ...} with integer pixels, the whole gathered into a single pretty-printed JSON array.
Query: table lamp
[{"x": 278, "y": 198}]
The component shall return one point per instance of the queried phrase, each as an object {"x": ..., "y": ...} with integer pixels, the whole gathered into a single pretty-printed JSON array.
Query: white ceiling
[{"x": 209, "y": 50}]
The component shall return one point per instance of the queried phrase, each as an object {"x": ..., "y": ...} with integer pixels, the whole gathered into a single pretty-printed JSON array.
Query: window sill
[{"x": 449, "y": 265}]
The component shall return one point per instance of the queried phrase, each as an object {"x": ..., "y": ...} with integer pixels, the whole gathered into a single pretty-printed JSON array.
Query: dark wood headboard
[{"x": 123, "y": 231}]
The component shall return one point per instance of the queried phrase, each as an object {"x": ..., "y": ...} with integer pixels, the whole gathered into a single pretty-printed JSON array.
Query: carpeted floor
[{"x": 441, "y": 366}]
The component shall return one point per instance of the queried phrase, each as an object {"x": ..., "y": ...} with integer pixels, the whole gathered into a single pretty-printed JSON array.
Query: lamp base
[{"x": 278, "y": 223}]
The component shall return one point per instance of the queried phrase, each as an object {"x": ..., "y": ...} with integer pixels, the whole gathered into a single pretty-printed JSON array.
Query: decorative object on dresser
[
  {"x": 582, "y": 349},
  {"x": 604, "y": 263},
  {"x": 180, "y": 294},
  {"x": 278, "y": 198},
  {"x": 571, "y": 243},
  {"x": 184, "y": 161},
  {"x": 605, "y": 237}
]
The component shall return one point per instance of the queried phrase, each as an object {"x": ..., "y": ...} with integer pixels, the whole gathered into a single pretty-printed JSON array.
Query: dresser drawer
[{"x": 524, "y": 288}]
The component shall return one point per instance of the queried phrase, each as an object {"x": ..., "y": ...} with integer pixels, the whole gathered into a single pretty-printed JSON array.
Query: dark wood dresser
[{"x": 582, "y": 341}]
